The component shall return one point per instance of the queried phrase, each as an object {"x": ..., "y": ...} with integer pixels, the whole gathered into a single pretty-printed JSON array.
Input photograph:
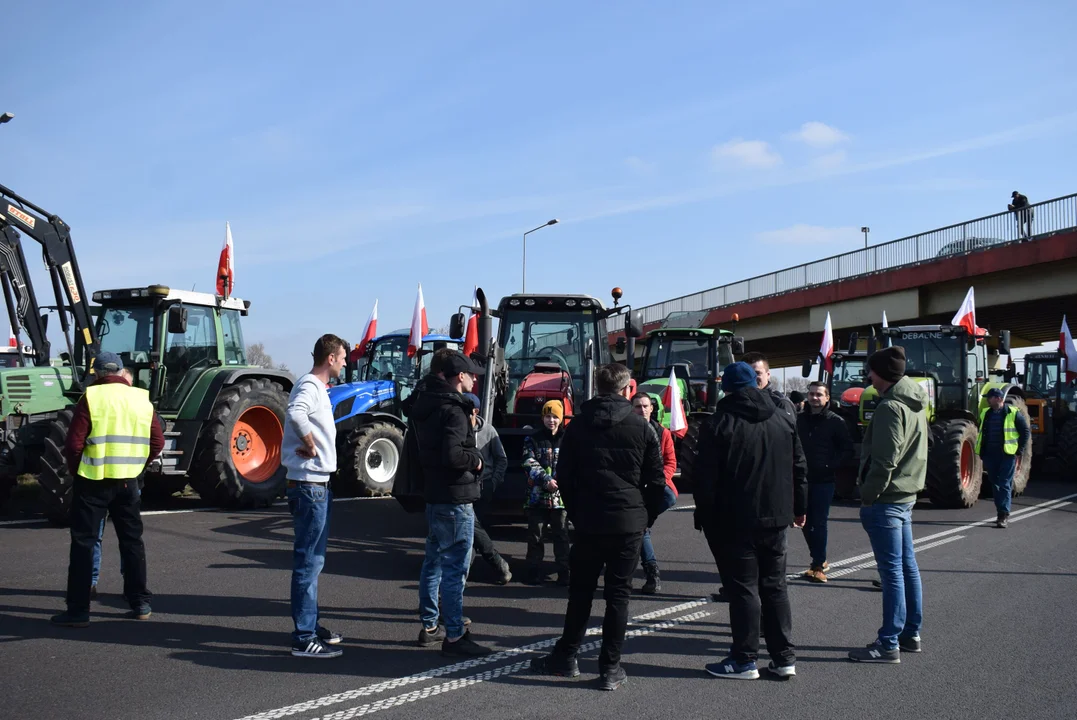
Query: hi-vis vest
[
  {"x": 118, "y": 445},
  {"x": 1009, "y": 430}
]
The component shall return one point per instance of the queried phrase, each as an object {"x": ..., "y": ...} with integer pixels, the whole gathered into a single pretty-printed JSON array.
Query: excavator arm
[{"x": 54, "y": 236}]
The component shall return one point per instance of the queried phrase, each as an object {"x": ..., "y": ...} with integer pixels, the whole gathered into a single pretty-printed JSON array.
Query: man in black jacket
[
  {"x": 609, "y": 459},
  {"x": 827, "y": 446},
  {"x": 451, "y": 467},
  {"x": 751, "y": 484},
  {"x": 761, "y": 366}
]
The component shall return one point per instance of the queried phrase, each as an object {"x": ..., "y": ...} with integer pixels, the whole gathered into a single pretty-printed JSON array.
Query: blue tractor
[{"x": 366, "y": 407}]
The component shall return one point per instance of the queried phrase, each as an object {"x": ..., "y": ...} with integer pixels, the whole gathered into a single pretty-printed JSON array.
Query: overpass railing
[{"x": 1046, "y": 218}]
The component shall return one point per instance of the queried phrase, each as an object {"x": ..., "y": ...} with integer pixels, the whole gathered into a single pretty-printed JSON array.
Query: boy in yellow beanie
[{"x": 543, "y": 504}]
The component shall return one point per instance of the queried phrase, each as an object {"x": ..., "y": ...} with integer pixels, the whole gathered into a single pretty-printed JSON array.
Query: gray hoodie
[
  {"x": 309, "y": 413},
  {"x": 494, "y": 459}
]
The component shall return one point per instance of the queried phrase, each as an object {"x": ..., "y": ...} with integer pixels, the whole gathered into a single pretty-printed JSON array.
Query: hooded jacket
[
  {"x": 608, "y": 458},
  {"x": 750, "y": 470},
  {"x": 446, "y": 440},
  {"x": 893, "y": 460},
  {"x": 494, "y": 460},
  {"x": 826, "y": 443}
]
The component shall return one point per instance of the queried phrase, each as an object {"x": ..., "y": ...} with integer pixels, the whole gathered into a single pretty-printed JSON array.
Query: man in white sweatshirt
[{"x": 309, "y": 453}]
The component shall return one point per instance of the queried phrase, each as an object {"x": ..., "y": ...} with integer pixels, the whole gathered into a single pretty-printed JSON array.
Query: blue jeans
[
  {"x": 819, "y": 497},
  {"x": 646, "y": 552},
  {"x": 311, "y": 507},
  {"x": 889, "y": 528},
  {"x": 451, "y": 530},
  {"x": 1000, "y": 470}
]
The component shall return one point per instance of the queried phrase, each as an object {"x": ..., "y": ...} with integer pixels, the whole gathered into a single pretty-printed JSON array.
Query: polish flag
[
  {"x": 419, "y": 327},
  {"x": 885, "y": 324},
  {"x": 826, "y": 350},
  {"x": 369, "y": 332},
  {"x": 471, "y": 336},
  {"x": 671, "y": 398},
  {"x": 226, "y": 266},
  {"x": 1067, "y": 350},
  {"x": 13, "y": 341},
  {"x": 966, "y": 315}
]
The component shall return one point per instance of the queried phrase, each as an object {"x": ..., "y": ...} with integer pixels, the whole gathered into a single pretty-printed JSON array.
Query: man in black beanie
[{"x": 893, "y": 467}]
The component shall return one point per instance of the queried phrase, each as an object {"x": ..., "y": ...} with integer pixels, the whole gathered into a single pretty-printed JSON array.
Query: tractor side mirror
[
  {"x": 177, "y": 320},
  {"x": 805, "y": 368},
  {"x": 1004, "y": 342},
  {"x": 634, "y": 324},
  {"x": 737, "y": 345},
  {"x": 854, "y": 337},
  {"x": 622, "y": 345},
  {"x": 456, "y": 325}
]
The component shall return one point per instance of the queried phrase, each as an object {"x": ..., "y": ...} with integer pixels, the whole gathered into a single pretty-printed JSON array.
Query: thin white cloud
[
  {"x": 747, "y": 153},
  {"x": 820, "y": 135},
  {"x": 830, "y": 160},
  {"x": 801, "y": 234}
]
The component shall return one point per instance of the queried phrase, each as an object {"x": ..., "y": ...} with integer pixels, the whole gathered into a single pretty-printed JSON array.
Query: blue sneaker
[{"x": 728, "y": 668}]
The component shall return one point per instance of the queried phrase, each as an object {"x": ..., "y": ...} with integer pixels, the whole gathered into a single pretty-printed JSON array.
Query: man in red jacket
[{"x": 643, "y": 405}]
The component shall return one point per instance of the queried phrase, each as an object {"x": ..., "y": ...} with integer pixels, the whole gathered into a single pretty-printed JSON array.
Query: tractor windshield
[
  {"x": 849, "y": 372},
  {"x": 664, "y": 353},
  {"x": 390, "y": 359},
  {"x": 128, "y": 332},
  {"x": 941, "y": 357},
  {"x": 1041, "y": 377},
  {"x": 531, "y": 337}
]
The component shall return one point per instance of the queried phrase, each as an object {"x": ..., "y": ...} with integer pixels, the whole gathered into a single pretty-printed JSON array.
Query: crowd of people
[{"x": 763, "y": 465}]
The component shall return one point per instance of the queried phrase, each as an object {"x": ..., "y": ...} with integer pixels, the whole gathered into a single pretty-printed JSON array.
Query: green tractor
[
  {"x": 696, "y": 356},
  {"x": 955, "y": 368},
  {"x": 224, "y": 419}
]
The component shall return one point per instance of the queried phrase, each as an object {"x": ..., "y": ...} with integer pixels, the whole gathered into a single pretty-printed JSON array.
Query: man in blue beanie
[{"x": 751, "y": 485}]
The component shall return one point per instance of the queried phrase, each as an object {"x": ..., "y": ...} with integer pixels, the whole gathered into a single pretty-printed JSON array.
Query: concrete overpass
[{"x": 1023, "y": 285}]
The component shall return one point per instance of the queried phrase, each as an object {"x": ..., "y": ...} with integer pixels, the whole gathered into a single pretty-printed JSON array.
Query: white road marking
[
  {"x": 464, "y": 682},
  {"x": 456, "y": 667},
  {"x": 871, "y": 564}
]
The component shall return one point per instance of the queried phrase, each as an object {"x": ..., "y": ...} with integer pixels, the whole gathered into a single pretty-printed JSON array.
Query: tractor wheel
[
  {"x": 1066, "y": 439},
  {"x": 55, "y": 479},
  {"x": 686, "y": 453},
  {"x": 8, "y": 483},
  {"x": 237, "y": 460},
  {"x": 954, "y": 470},
  {"x": 1020, "y": 477},
  {"x": 369, "y": 459}
]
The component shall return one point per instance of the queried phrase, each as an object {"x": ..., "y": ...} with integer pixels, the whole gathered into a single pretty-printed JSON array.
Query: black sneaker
[
  {"x": 533, "y": 576},
  {"x": 315, "y": 648},
  {"x": 1002, "y": 521},
  {"x": 67, "y": 619},
  {"x": 554, "y": 665},
  {"x": 142, "y": 612},
  {"x": 910, "y": 644},
  {"x": 430, "y": 638},
  {"x": 785, "y": 672},
  {"x": 328, "y": 637},
  {"x": 504, "y": 573},
  {"x": 875, "y": 653},
  {"x": 612, "y": 678},
  {"x": 464, "y": 647},
  {"x": 563, "y": 578}
]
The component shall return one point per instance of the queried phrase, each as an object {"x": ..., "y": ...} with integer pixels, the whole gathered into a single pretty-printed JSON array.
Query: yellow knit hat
[{"x": 555, "y": 408}]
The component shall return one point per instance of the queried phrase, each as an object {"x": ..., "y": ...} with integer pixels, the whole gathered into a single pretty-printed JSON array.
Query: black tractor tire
[
  {"x": 214, "y": 474},
  {"x": 8, "y": 483},
  {"x": 368, "y": 460},
  {"x": 686, "y": 453},
  {"x": 954, "y": 470},
  {"x": 1066, "y": 440},
  {"x": 1024, "y": 469},
  {"x": 55, "y": 479}
]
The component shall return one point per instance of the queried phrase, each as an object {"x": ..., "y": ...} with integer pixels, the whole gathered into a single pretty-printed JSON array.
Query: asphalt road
[{"x": 999, "y": 626}]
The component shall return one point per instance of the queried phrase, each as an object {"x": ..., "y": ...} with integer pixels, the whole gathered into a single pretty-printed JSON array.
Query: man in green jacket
[{"x": 893, "y": 466}]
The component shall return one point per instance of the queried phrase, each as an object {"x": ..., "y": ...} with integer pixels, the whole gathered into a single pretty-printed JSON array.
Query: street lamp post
[
  {"x": 545, "y": 224},
  {"x": 865, "y": 230}
]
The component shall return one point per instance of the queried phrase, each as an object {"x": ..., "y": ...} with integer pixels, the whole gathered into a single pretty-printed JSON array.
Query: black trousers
[
  {"x": 91, "y": 501},
  {"x": 483, "y": 545},
  {"x": 619, "y": 555},
  {"x": 752, "y": 566},
  {"x": 536, "y": 548}
]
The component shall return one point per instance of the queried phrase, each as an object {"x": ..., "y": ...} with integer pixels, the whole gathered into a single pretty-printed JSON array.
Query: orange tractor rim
[{"x": 256, "y": 443}]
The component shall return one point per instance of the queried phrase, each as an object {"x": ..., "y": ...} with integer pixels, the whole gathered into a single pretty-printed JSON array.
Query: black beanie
[{"x": 888, "y": 363}]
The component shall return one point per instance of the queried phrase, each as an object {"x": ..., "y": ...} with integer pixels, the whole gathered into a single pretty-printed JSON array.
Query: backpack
[{"x": 409, "y": 485}]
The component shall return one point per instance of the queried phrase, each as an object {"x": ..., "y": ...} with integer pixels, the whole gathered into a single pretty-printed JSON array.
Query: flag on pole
[
  {"x": 471, "y": 336},
  {"x": 226, "y": 265},
  {"x": 966, "y": 314},
  {"x": 419, "y": 327},
  {"x": 369, "y": 332},
  {"x": 13, "y": 341},
  {"x": 1068, "y": 351},
  {"x": 885, "y": 324},
  {"x": 671, "y": 398},
  {"x": 826, "y": 349}
]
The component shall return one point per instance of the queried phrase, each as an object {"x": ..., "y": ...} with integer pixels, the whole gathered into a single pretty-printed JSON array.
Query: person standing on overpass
[
  {"x": 1001, "y": 443},
  {"x": 1020, "y": 208}
]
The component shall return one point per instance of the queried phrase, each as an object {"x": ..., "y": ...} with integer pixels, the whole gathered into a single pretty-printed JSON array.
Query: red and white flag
[
  {"x": 471, "y": 336},
  {"x": 966, "y": 314},
  {"x": 826, "y": 349},
  {"x": 671, "y": 398},
  {"x": 419, "y": 327},
  {"x": 1067, "y": 350},
  {"x": 885, "y": 324},
  {"x": 13, "y": 341},
  {"x": 369, "y": 332},
  {"x": 226, "y": 265}
]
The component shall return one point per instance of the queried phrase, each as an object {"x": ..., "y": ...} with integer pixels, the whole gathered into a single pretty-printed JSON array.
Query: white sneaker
[{"x": 782, "y": 671}]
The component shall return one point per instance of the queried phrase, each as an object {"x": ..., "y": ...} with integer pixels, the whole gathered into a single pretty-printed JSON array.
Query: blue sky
[{"x": 359, "y": 148}]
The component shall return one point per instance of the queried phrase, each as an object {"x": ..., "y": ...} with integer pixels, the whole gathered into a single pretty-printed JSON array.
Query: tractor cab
[
  {"x": 1051, "y": 404},
  {"x": 169, "y": 339},
  {"x": 695, "y": 355}
]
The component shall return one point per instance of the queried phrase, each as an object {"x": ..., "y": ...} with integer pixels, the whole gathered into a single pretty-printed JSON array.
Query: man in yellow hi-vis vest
[
  {"x": 1003, "y": 436},
  {"x": 113, "y": 436}
]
